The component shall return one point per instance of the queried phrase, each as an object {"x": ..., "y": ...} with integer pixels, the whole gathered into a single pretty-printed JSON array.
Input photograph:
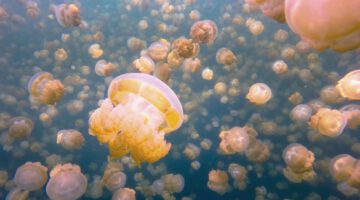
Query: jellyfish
[
  {"x": 104, "y": 68},
  {"x": 206, "y": 144},
  {"x": 70, "y": 139},
  {"x": 31, "y": 176},
  {"x": 336, "y": 26},
  {"x": 174, "y": 60},
  {"x": 204, "y": 31},
  {"x": 66, "y": 182},
  {"x": 342, "y": 166},
  {"x": 32, "y": 9},
  {"x": 225, "y": 56},
  {"x": 163, "y": 72},
  {"x": 191, "y": 151},
  {"x": 45, "y": 89},
  {"x": 255, "y": 27},
  {"x": 139, "y": 111},
  {"x": 17, "y": 194},
  {"x": 95, "y": 188},
  {"x": 259, "y": 94},
  {"x": 158, "y": 50},
  {"x": 328, "y": 122},
  {"x": 330, "y": 95},
  {"x": 279, "y": 67},
  {"x": 144, "y": 64},
  {"x": 185, "y": 48},
  {"x": 67, "y": 15},
  {"x": 95, "y": 51},
  {"x": 352, "y": 113},
  {"x": 20, "y": 127},
  {"x": 258, "y": 151},
  {"x": 3, "y": 177},
  {"x": 173, "y": 183},
  {"x": 349, "y": 85},
  {"x": 191, "y": 65},
  {"x": 60, "y": 55},
  {"x": 239, "y": 174},
  {"x": 218, "y": 181},
  {"x": 235, "y": 140},
  {"x": 124, "y": 194},
  {"x": 301, "y": 113},
  {"x": 207, "y": 74}
]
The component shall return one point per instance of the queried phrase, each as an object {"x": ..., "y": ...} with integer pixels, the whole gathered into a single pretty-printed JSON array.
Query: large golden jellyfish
[
  {"x": 67, "y": 15},
  {"x": 204, "y": 31},
  {"x": 139, "y": 111},
  {"x": 349, "y": 85},
  {"x": 337, "y": 26},
  {"x": 45, "y": 89},
  {"x": 328, "y": 122}
]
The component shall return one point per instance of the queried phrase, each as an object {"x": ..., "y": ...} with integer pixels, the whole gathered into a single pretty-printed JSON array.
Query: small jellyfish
[
  {"x": 301, "y": 113},
  {"x": 255, "y": 27},
  {"x": 235, "y": 140},
  {"x": 349, "y": 85},
  {"x": 67, "y": 15},
  {"x": 158, "y": 50},
  {"x": 185, "y": 48},
  {"x": 20, "y": 127},
  {"x": 328, "y": 122},
  {"x": 191, "y": 65},
  {"x": 191, "y": 151},
  {"x": 95, "y": 51},
  {"x": 204, "y": 31},
  {"x": 104, "y": 68},
  {"x": 31, "y": 176},
  {"x": 173, "y": 183},
  {"x": 259, "y": 94},
  {"x": 225, "y": 56},
  {"x": 3, "y": 177},
  {"x": 113, "y": 177},
  {"x": 70, "y": 139},
  {"x": 279, "y": 67},
  {"x": 218, "y": 181},
  {"x": 207, "y": 74},
  {"x": 139, "y": 111},
  {"x": 163, "y": 72},
  {"x": 239, "y": 174},
  {"x": 17, "y": 194},
  {"x": 144, "y": 64},
  {"x": 124, "y": 194},
  {"x": 330, "y": 95},
  {"x": 66, "y": 182},
  {"x": 32, "y": 9},
  {"x": 45, "y": 89},
  {"x": 60, "y": 55},
  {"x": 135, "y": 44}
]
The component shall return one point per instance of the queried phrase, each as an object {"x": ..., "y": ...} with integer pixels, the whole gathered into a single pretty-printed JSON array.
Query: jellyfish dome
[
  {"x": 31, "y": 176},
  {"x": 349, "y": 85},
  {"x": 139, "y": 111}
]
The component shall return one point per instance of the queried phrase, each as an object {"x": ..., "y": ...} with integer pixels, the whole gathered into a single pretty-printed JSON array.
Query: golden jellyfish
[
  {"x": 191, "y": 65},
  {"x": 67, "y": 15},
  {"x": 349, "y": 85},
  {"x": 163, "y": 72},
  {"x": 32, "y": 9},
  {"x": 31, "y": 176},
  {"x": 255, "y": 27},
  {"x": 330, "y": 95},
  {"x": 225, "y": 56},
  {"x": 342, "y": 166},
  {"x": 104, "y": 68},
  {"x": 174, "y": 60},
  {"x": 70, "y": 139},
  {"x": 143, "y": 25},
  {"x": 220, "y": 88},
  {"x": 158, "y": 50},
  {"x": 301, "y": 113},
  {"x": 185, "y": 48},
  {"x": 124, "y": 194},
  {"x": 195, "y": 165},
  {"x": 45, "y": 89},
  {"x": 95, "y": 188},
  {"x": 173, "y": 183},
  {"x": 218, "y": 181},
  {"x": 74, "y": 107},
  {"x": 194, "y": 15},
  {"x": 135, "y": 44},
  {"x": 352, "y": 113},
  {"x": 191, "y": 151},
  {"x": 139, "y": 111},
  {"x": 3, "y": 14},
  {"x": 270, "y": 8},
  {"x": 66, "y": 182},
  {"x": 17, "y": 194},
  {"x": 60, "y": 55},
  {"x": 259, "y": 94},
  {"x": 235, "y": 140},
  {"x": 95, "y": 51},
  {"x": 328, "y": 122},
  {"x": 204, "y": 31},
  {"x": 299, "y": 163},
  {"x": 113, "y": 177},
  {"x": 279, "y": 67},
  {"x": 20, "y": 127},
  {"x": 207, "y": 74},
  {"x": 281, "y": 35},
  {"x": 206, "y": 144},
  {"x": 239, "y": 174},
  {"x": 258, "y": 151},
  {"x": 336, "y": 26},
  {"x": 144, "y": 64}
]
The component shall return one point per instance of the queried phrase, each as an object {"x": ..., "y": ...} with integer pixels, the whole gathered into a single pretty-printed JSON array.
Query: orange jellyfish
[
  {"x": 259, "y": 94},
  {"x": 104, "y": 68},
  {"x": 337, "y": 26},
  {"x": 235, "y": 140},
  {"x": 218, "y": 181},
  {"x": 67, "y": 15},
  {"x": 204, "y": 31},
  {"x": 45, "y": 89},
  {"x": 139, "y": 111},
  {"x": 225, "y": 56},
  {"x": 70, "y": 139},
  {"x": 270, "y": 8},
  {"x": 20, "y": 127},
  {"x": 158, "y": 50},
  {"x": 328, "y": 122},
  {"x": 144, "y": 64},
  {"x": 31, "y": 176},
  {"x": 124, "y": 194},
  {"x": 349, "y": 85},
  {"x": 185, "y": 48}
]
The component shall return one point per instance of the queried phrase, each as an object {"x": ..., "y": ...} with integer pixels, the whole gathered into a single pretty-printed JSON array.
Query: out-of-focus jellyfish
[
  {"x": 45, "y": 89},
  {"x": 235, "y": 140},
  {"x": 20, "y": 127},
  {"x": 328, "y": 122},
  {"x": 139, "y": 111},
  {"x": 173, "y": 183},
  {"x": 143, "y": 25},
  {"x": 330, "y": 95},
  {"x": 301, "y": 113},
  {"x": 113, "y": 177},
  {"x": 163, "y": 72},
  {"x": 135, "y": 44},
  {"x": 31, "y": 176},
  {"x": 124, "y": 194},
  {"x": 194, "y": 15},
  {"x": 191, "y": 65},
  {"x": 67, "y": 15},
  {"x": 195, "y": 165},
  {"x": 70, "y": 139},
  {"x": 66, "y": 182},
  {"x": 218, "y": 181},
  {"x": 349, "y": 85},
  {"x": 270, "y": 8},
  {"x": 60, "y": 55},
  {"x": 299, "y": 163},
  {"x": 185, "y": 48},
  {"x": 191, "y": 151},
  {"x": 279, "y": 67},
  {"x": 258, "y": 151},
  {"x": 74, "y": 107},
  {"x": 144, "y": 64},
  {"x": 344, "y": 168},
  {"x": 174, "y": 60},
  {"x": 336, "y": 26},
  {"x": 259, "y": 94},
  {"x": 296, "y": 98},
  {"x": 17, "y": 194},
  {"x": 239, "y": 174},
  {"x": 352, "y": 113},
  {"x": 104, "y": 68},
  {"x": 3, "y": 177},
  {"x": 255, "y": 27},
  {"x": 158, "y": 50},
  {"x": 95, "y": 51},
  {"x": 225, "y": 56},
  {"x": 206, "y": 144},
  {"x": 32, "y": 9},
  {"x": 281, "y": 35},
  {"x": 204, "y": 31},
  {"x": 3, "y": 14},
  {"x": 95, "y": 188},
  {"x": 207, "y": 74}
]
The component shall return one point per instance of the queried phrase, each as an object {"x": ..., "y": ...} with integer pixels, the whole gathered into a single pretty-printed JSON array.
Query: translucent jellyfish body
[
  {"x": 139, "y": 111},
  {"x": 158, "y": 50},
  {"x": 270, "y": 8},
  {"x": 218, "y": 181},
  {"x": 301, "y": 113},
  {"x": 346, "y": 169},
  {"x": 20, "y": 127},
  {"x": 185, "y": 48},
  {"x": 45, "y": 89},
  {"x": 349, "y": 85},
  {"x": 204, "y": 31},
  {"x": 239, "y": 174},
  {"x": 70, "y": 139},
  {"x": 259, "y": 94},
  {"x": 67, "y": 15},
  {"x": 66, "y": 182},
  {"x": 113, "y": 177},
  {"x": 225, "y": 56},
  {"x": 144, "y": 64},
  {"x": 104, "y": 68},
  {"x": 31, "y": 176},
  {"x": 235, "y": 140},
  {"x": 337, "y": 26},
  {"x": 328, "y": 122},
  {"x": 124, "y": 194}
]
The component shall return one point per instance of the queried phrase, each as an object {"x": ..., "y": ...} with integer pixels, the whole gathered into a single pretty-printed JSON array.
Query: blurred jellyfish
[
  {"x": 299, "y": 163},
  {"x": 330, "y": 95},
  {"x": 235, "y": 140},
  {"x": 301, "y": 113},
  {"x": 335, "y": 27},
  {"x": 67, "y": 15},
  {"x": 271, "y": 8},
  {"x": 139, "y": 111},
  {"x": 257, "y": 151},
  {"x": 144, "y": 64},
  {"x": 20, "y": 127},
  {"x": 70, "y": 139},
  {"x": 163, "y": 72},
  {"x": 204, "y": 31},
  {"x": 113, "y": 177},
  {"x": 17, "y": 194},
  {"x": 135, "y": 44},
  {"x": 195, "y": 165},
  {"x": 255, "y": 27},
  {"x": 225, "y": 56},
  {"x": 349, "y": 85},
  {"x": 279, "y": 67},
  {"x": 3, "y": 177},
  {"x": 207, "y": 74},
  {"x": 31, "y": 176},
  {"x": 206, "y": 144},
  {"x": 95, "y": 188},
  {"x": 124, "y": 194},
  {"x": 344, "y": 168},
  {"x": 95, "y": 51},
  {"x": 192, "y": 65},
  {"x": 218, "y": 181},
  {"x": 158, "y": 50},
  {"x": 45, "y": 89},
  {"x": 173, "y": 183},
  {"x": 60, "y": 55},
  {"x": 328, "y": 122},
  {"x": 66, "y": 182},
  {"x": 191, "y": 151},
  {"x": 185, "y": 48},
  {"x": 239, "y": 174},
  {"x": 32, "y": 9},
  {"x": 104, "y": 68},
  {"x": 259, "y": 94}
]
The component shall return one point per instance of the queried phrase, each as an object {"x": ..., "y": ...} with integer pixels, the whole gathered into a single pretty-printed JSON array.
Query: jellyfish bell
[
  {"x": 104, "y": 68},
  {"x": 204, "y": 31},
  {"x": 20, "y": 127},
  {"x": 218, "y": 181},
  {"x": 31, "y": 176},
  {"x": 235, "y": 140},
  {"x": 301, "y": 113},
  {"x": 328, "y": 122},
  {"x": 67, "y": 15},
  {"x": 70, "y": 139},
  {"x": 124, "y": 194},
  {"x": 139, "y": 112},
  {"x": 259, "y": 94},
  {"x": 349, "y": 85},
  {"x": 342, "y": 166}
]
